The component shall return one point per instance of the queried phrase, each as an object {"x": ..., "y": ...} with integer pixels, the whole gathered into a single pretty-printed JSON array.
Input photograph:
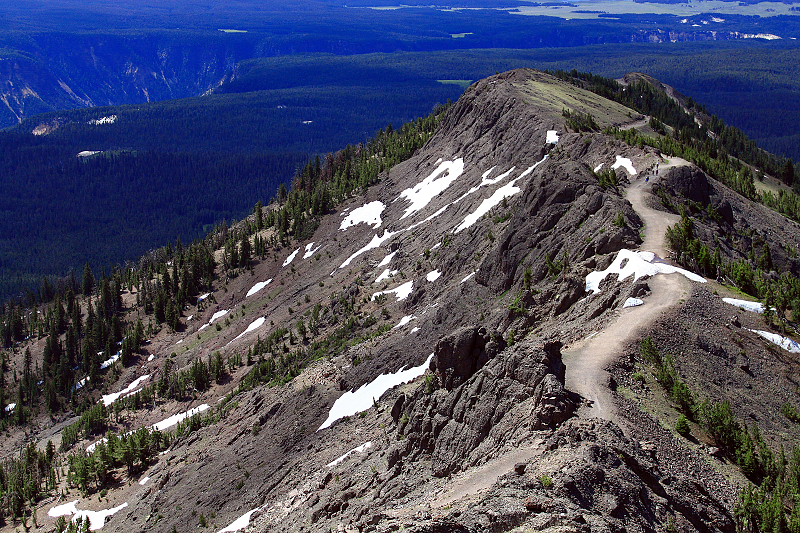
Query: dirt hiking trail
[{"x": 587, "y": 360}]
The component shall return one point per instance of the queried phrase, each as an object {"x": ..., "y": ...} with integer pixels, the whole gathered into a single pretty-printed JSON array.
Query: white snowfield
[
  {"x": 376, "y": 242},
  {"x": 103, "y": 120},
  {"x": 240, "y": 523},
  {"x": 352, "y": 402},
  {"x": 632, "y": 302},
  {"x": 388, "y": 259},
  {"x": 254, "y": 325},
  {"x": 405, "y": 320},
  {"x": 180, "y": 417},
  {"x": 310, "y": 250},
  {"x": 369, "y": 214},
  {"x": 625, "y": 163},
  {"x": 636, "y": 264},
  {"x": 433, "y": 276},
  {"x": 97, "y": 519},
  {"x": 401, "y": 291},
  {"x": 108, "y": 399},
  {"x": 386, "y": 274},
  {"x": 552, "y": 137},
  {"x": 291, "y": 257},
  {"x": 257, "y": 287},
  {"x": 747, "y": 305},
  {"x": 437, "y": 182},
  {"x": 784, "y": 342},
  {"x": 218, "y": 315},
  {"x": 358, "y": 449}
]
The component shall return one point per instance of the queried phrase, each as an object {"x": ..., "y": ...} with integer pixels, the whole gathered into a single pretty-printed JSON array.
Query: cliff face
[{"x": 460, "y": 292}]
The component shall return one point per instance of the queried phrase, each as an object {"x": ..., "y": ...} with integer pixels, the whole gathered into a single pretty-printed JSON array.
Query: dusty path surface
[{"x": 586, "y": 361}]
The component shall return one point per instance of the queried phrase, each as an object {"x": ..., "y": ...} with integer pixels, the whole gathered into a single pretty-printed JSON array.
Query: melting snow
[
  {"x": 405, "y": 320},
  {"x": 108, "y": 399},
  {"x": 257, "y": 287},
  {"x": 388, "y": 259},
  {"x": 144, "y": 480},
  {"x": 180, "y": 417},
  {"x": 10, "y": 407},
  {"x": 218, "y": 314},
  {"x": 625, "y": 163},
  {"x": 108, "y": 362},
  {"x": 386, "y": 274},
  {"x": 151, "y": 358},
  {"x": 423, "y": 192},
  {"x": 505, "y": 191},
  {"x": 784, "y": 342},
  {"x": 357, "y": 449},
  {"x": 433, "y": 276},
  {"x": 637, "y": 264},
  {"x": 369, "y": 214},
  {"x": 552, "y": 137},
  {"x": 309, "y": 251},
  {"x": 291, "y": 257},
  {"x": 240, "y": 523},
  {"x": 104, "y": 120},
  {"x": 598, "y": 167},
  {"x": 255, "y": 324},
  {"x": 203, "y": 297},
  {"x": 97, "y": 519},
  {"x": 374, "y": 243},
  {"x": 469, "y": 276},
  {"x": 351, "y": 402},
  {"x": 204, "y": 326},
  {"x": 753, "y": 307},
  {"x": 632, "y": 302},
  {"x": 401, "y": 292},
  {"x": 414, "y": 329}
]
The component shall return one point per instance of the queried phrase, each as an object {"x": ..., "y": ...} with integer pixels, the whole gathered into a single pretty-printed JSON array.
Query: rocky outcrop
[{"x": 510, "y": 396}]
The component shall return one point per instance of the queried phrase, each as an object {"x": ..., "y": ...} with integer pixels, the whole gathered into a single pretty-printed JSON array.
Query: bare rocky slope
[{"x": 488, "y": 234}]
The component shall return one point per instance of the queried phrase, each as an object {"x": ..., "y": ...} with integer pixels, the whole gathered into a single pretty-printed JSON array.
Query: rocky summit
[{"x": 479, "y": 341}]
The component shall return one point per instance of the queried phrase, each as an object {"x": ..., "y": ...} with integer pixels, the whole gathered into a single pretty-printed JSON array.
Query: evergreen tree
[{"x": 88, "y": 280}]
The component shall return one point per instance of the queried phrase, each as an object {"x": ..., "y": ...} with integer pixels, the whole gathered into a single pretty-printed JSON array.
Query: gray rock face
[{"x": 512, "y": 395}]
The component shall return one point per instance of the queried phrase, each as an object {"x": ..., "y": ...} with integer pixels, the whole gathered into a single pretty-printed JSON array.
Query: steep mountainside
[{"x": 455, "y": 348}]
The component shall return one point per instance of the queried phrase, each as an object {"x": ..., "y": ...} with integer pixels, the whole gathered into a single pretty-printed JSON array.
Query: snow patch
[
  {"x": 401, "y": 292},
  {"x": 388, "y": 259},
  {"x": 433, "y": 276},
  {"x": 598, "y": 167},
  {"x": 468, "y": 277},
  {"x": 552, "y": 137},
  {"x": 151, "y": 358},
  {"x": 144, "y": 480},
  {"x": 352, "y": 402},
  {"x": 97, "y": 519},
  {"x": 180, "y": 417},
  {"x": 633, "y": 302},
  {"x": 218, "y": 314},
  {"x": 108, "y": 399},
  {"x": 437, "y": 182},
  {"x": 310, "y": 250},
  {"x": 358, "y": 449},
  {"x": 203, "y": 297},
  {"x": 414, "y": 329},
  {"x": 637, "y": 264},
  {"x": 405, "y": 320},
  {"x": 240, "y": 523},
  {"x": 386, "y": 274},
  {"x": 369, "y": 214},
  {"x": 374, "y": 243},
  {"x": 784, "y": 342},
  {"x": 255, "y": 324},
  {"x": 753, "y": 307},
  {"x": 10, "y": 407},
  {"x": 625, "y": 163},
  {"x": 103, "y": 120},
  {"x": 257, "y": 287},
  {"x": 291, "y": 257},
  {"x": 510, "y": 189}
]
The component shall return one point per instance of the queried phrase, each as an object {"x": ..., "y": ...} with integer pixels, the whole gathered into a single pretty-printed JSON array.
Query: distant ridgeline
[{"x": 724, "y": 152}]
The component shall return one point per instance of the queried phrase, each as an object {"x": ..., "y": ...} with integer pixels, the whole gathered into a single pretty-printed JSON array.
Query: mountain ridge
[{"x": 467, "y": 266}]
